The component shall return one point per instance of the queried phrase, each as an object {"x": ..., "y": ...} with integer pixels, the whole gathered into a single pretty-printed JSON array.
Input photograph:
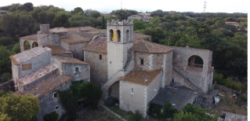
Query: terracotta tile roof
[
  {"x": 139, "y": 76},
  {"x": 33, "y": 76},
  {"x": 140, "y": 36},
  {"x": 74, "y": 38},
  {"x": 79, "y": 29},
  {"x": 98, "y": 45},
  {"x": 46, "y": 86},
  {"x": 58, "y": 30},
  {"x": 69, "y": 60},
  {"x": 98, "y": 31},
  {"x": 30, "y": 37},
  {"x": 56, "y": 50},
  {"x": 150, "y": 47},
  {"x": 86, "y": 34},
  {"x": 28, "y": 54}
]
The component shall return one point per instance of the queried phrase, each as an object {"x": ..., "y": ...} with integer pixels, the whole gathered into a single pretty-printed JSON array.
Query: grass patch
[
  {"x": 99, "y": 114},
  {"x": 227, "y": 103}
]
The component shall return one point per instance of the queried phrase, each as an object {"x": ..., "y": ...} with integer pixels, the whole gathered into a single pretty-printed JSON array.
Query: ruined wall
[
  {"x": 201, "y": 77},
  {"x": 22, "y": 43},
  {"x": 48, "y": 103},
  {"x": 98, "y": 68}
]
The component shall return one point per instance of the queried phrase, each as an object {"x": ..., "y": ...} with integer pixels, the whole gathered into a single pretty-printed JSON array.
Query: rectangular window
[
  {"x": 26, "y": 66},
  {"x": 132, "y": 91},
  {"x": 100, "y": 57},
  {"x": 142, "y": 61},
  {"x": 77, "y": 69}
]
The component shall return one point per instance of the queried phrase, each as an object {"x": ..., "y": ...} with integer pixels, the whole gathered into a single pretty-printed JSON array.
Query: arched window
[
  {"x": 34, "y": 44},
  {"x": 118, "y": 36},
  {"x": 26, "y": 45},
  {"x": 127, "y": 36},
  {"x": 110, "y": 34},
  {"x": 195, "y": 61}
]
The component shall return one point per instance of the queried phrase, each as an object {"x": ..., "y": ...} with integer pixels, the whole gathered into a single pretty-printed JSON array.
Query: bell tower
[{"x": 119, "y": 45}]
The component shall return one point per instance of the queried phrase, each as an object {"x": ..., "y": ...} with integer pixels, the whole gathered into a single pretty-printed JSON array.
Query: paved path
[{"x": 113, "y": 112}]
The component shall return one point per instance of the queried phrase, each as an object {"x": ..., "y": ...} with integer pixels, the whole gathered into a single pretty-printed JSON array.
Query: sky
[{"x": 228, "y": 6}]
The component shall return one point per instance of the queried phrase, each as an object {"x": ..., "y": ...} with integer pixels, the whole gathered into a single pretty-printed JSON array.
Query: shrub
[
  {"x": 168, "y": 111},
  {"x": 5, "y": 77},
  {"x": 137, "y": 116},
  {"x": 51, "y": 117},
  {"x": 111, "y": 101}
]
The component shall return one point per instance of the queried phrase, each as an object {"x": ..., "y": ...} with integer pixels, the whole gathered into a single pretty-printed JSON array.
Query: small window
[
  {"x": 55, "y": 95},
  {"x": 57, "y": 107},
  {"x": 26, "y": 66},
  {"x": 77, "y": 69},
  {"x": 142, "y": 61},
  {"x": 100, "y": 57},
  {"x": 132, "y": 91}
]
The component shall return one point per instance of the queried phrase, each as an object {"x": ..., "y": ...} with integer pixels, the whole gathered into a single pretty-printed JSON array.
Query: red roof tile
[
  {"x": 150, "y": 47},
  {"x": 45, "y": 86},
  {"x": 69, "y": 60},
  {"x": 56, "y": 50},
  {"x": 33, "y": 76},
  {"x": 98, "y": 45},
  {"x": 142, "y": 77}
]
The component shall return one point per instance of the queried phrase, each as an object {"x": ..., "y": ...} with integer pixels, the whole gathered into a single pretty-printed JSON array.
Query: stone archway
[
  {"x": 26, "y": 45},
  {"x": 114, "y": 90},
  {"x": 34, "y": 44},
  {"x": 195, "y": 61}
]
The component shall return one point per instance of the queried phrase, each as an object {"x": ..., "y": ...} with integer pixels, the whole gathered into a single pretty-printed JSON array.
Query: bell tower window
[
  {"x": 127, "y": 35},
  {"x": 110, "y": 34},
  {"x": 118, "y": 36}
]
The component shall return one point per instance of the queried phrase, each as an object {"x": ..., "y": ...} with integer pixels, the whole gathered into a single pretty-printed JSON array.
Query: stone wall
[
  {"x": 48, "y": 103},
  {"x": 228, "y": 90},
  {"x": 132, "y": 100},
  {"x": 76, "y": 49},
  {"x": 98, "y": 68},
  {"x": 200, "y": 76},
  {"x": 7, "y": 86},
  {"x": 83, "y": 74}
]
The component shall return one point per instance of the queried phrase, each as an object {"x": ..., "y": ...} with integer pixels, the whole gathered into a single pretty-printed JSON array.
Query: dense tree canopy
[{"x": 18, "y": 108}]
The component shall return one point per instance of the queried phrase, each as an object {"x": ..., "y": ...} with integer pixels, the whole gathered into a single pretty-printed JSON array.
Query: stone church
[{"x": 124, "y": 64}]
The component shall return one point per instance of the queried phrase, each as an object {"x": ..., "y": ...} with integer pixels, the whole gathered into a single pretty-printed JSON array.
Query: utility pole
[{"x": 204, "y": 7}]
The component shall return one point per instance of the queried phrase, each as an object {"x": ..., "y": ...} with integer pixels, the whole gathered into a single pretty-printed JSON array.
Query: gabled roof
[
  {"x": 142, "y": 77},
  {"x": 99, "y": 45},
  {"x": 45, "y": 86},
  {"x": 28, "y": 54},
  {"x": 150, "y": 47},
  {"x": 69, "y": 60},
  {"x": 33, "y": 76},
  {"x": 79, "y": 29},
  {"x": 74, "y": 38},
  {"x": 30, "y": 37},
  {"x": 56, "y": 50}
]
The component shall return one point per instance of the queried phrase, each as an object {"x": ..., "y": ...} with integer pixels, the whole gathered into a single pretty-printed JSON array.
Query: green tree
[
  {"x": 94, "y": 14},
  {"x": 51, "y": 117},
  {"x": 138, "y": 24},
  {"x": 77, "y": 10},
  {"x": 19, "y": 108},
  {"x": 168, "y": 111},
  {"x": 61, "y": 19},
  {"x": 4, "y": 60}
]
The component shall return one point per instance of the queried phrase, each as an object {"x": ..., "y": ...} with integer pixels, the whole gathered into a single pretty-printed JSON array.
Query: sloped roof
[
  {"x": 56, "y": 50},
  {"x": 28, "y": 54},
  {"x": 139, "y": 76},
  {"x": 150, "y": 47},
  {"x": 30, "y": 37},
  {"x": 45, "y": 86},
  {"x": 79, "y": 29},
  {"x": 98, "y": 45},
  {"x": 140, "y": 36},
  {"x": 69, "y": 60},
  {"x": 178, "y": 96},
  {"x": 58, "y": 30},
  {"x": 74, "y": 38},
  {"x": 33, "y": 76}
]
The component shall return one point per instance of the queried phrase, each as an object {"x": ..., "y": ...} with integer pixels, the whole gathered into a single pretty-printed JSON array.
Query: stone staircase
[{"x": 188, "y": 81}]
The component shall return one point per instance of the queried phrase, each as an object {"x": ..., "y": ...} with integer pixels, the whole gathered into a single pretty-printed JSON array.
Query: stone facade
[
  {"x": 98, "y": 66},
  {"x": 124, "y": 65}
]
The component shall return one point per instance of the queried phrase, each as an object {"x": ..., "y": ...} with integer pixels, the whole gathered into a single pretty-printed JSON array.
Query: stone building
[{"x": 124, "y": 64}]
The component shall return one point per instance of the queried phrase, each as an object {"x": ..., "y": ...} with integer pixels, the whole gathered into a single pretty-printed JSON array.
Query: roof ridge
[{"x": 144, "y": 41}]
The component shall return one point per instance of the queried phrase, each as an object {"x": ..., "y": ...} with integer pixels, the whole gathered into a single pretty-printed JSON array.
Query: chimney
[{"x": 44, "y": 28}]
